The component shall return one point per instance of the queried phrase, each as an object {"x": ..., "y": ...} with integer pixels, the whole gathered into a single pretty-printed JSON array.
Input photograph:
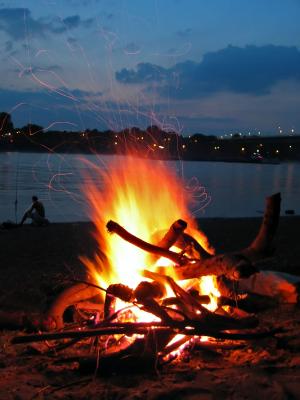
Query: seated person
[{"x": 36, "y": 212}]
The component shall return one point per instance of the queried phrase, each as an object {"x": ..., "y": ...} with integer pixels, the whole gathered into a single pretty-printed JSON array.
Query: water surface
[{"x": 219, "y": 189}]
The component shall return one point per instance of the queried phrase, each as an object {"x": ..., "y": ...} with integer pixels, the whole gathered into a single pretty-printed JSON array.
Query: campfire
[{"x": 155, "y": 286}]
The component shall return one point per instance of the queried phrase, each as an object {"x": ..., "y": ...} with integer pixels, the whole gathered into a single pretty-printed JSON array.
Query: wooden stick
[
  {"x": 129, "y": 237},
  {"x": 131, "y": 330}
]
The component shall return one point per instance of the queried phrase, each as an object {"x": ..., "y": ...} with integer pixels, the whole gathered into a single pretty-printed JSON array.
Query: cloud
[
  {"x": 12, "y": 22},
  {"x": 46, "y": 107},
  {"x": 145, "y": 72},
  {"x": 72, "y": 22},
  {"x": 249, "y": 70},
  {"x": 51, "y": 99},
  {"x": 15, "y": 22}
]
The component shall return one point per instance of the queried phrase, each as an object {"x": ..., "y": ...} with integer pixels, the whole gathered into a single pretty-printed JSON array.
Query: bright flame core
[{"x": 144, "y": 197}]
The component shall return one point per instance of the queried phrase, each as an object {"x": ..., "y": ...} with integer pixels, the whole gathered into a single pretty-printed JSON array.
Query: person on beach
[{"x": 36, "y": 212}]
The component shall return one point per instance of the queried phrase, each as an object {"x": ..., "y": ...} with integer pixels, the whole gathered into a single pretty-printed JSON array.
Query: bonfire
[{"x": 155, "y": 286}]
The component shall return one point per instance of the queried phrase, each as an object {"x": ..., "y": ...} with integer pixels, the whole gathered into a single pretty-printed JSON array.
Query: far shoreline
[{"x": 271, "y": 161}]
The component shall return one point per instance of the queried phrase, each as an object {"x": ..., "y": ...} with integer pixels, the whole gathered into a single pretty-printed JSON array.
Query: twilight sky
[{"x": 213, "y": 67}]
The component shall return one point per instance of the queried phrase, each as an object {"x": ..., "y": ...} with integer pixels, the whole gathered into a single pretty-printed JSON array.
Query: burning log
[
  {"x": 114, "y": 227},
  {"x": 173, "y": 234},
  {"x": 235, "y": 266},
  {"x": 176, "y": 236},
  {"x": 149, "y": 290}
]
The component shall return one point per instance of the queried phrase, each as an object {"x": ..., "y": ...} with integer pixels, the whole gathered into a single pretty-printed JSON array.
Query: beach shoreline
[{"x": 37, "y": 263}]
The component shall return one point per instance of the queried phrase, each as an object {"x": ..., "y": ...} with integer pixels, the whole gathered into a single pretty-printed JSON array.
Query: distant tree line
[{"x": 152, "y": 142}]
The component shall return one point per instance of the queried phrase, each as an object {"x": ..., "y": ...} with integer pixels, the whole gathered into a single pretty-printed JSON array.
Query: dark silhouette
[{"x": 36, "y": 212}]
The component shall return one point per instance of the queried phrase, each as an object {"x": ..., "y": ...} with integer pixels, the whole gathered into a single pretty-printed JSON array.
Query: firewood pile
[{"x": 178, "y": 316}]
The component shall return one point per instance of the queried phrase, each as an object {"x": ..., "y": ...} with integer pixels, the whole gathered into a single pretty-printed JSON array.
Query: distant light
[
  {"x": 116, "y": 143},
  {"x": 257, "y": 151},
  {"x": 183, "y": 146},
  {"x": 154, "y": 145},
  {"x": 277, "y": 151},
  {"x": 196, "y": 141},
  {"x": 243, "y": 148},
  {"x": 290, "y": 146},
  {"x": 161, "y": 147},
  {"x": 261, "y": 145}
]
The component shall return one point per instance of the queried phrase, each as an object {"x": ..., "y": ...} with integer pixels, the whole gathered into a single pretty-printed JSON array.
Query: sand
[{"x": 37, "y": 262}]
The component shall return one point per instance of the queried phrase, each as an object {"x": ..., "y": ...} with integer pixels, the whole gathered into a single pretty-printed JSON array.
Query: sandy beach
[{"x": 37, "y": 262}]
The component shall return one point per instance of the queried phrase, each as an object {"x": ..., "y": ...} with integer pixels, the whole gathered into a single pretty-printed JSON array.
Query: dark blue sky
[{"x": 217, "y": 66}]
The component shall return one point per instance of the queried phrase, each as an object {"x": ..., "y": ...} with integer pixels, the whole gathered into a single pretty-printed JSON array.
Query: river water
[{"x": 220, "y": 189}]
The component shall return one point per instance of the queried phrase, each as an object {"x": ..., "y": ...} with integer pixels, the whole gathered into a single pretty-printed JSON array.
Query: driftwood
[
  {"x": 75, "y": 294},
  {"x": 235, "y": 265}
]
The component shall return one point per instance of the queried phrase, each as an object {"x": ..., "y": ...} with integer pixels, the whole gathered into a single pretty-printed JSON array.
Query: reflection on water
[{"x": 218, "y": 189}]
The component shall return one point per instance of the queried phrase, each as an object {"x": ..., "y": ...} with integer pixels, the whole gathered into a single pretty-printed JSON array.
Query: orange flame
[{"x": 143, "y": 196}]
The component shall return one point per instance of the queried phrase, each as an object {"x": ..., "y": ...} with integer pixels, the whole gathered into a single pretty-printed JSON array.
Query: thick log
[
  {"x": 53, "y": 318},
  {"x": 234, "y": 266},
  {"x": 172, "y": 234}
]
